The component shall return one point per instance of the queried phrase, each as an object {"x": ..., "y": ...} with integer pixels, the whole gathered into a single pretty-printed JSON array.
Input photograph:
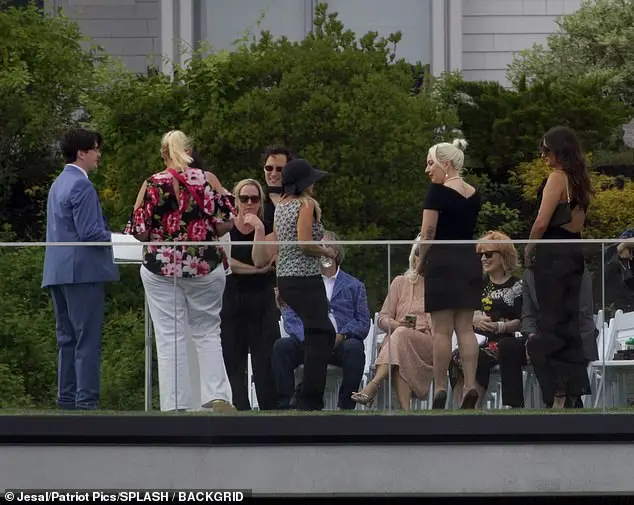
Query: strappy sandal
[{"x": 366, "y": 399}]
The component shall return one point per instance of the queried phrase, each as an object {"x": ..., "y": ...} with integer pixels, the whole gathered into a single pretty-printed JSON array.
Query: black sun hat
[{"x": 298, "y": 175}]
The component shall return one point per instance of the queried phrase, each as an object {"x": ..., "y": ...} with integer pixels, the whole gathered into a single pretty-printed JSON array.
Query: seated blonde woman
[
  {"x": 408, "y": 348},
  {"x": 497, "y": 320}
]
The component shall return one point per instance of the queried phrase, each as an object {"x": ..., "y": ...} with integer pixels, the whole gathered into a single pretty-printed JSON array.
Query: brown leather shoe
[{"x": 219, "y": 406}]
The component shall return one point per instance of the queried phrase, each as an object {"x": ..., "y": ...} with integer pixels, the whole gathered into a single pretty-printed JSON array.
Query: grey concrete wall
[
  {"x": 428, "y": 470},
  {"x": 128, "y": 29}
]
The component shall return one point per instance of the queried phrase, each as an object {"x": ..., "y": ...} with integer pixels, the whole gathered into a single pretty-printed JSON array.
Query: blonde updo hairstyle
[
  {"x": 174, "y": 148},
  {"x": 452, "y": 153}
]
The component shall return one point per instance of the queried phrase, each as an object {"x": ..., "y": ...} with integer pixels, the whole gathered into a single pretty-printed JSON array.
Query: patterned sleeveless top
[{"x": 291, "y": 260}]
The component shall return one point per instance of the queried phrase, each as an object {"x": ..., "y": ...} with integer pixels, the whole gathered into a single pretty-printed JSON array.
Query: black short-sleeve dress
[{"x": 453, "y": 273}]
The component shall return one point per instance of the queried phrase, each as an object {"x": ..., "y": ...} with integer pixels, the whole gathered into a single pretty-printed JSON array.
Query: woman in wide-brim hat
[{"x": 298, "y": 218}]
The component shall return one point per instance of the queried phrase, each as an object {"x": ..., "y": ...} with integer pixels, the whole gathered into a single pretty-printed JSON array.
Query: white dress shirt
[
  {"x": 329, "y": 283},
  {"x": 80, "y": 169}
]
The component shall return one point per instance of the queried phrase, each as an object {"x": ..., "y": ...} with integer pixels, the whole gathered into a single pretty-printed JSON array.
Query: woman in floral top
[
  {"x": 184, "y": 283},
  {"x": 498, "y": 321}
]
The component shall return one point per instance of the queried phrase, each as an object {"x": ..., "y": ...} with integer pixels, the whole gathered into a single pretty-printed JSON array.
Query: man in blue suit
[
  {"x": 75, "y": 275},
  {"x": 350, "y": 316}
]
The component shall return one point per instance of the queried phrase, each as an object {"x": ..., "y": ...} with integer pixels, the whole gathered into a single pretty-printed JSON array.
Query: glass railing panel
[
  {"x": 199, "y": 337},
  {"x": 613, "y": 377},
  {"x": 111, "y": 372}
]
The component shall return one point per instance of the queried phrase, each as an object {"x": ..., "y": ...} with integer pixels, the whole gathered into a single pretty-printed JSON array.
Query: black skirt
[{"x": 453, "y": 278}]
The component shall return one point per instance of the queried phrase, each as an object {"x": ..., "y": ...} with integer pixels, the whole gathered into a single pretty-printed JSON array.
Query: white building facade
[{"x": 478, "y": 37}]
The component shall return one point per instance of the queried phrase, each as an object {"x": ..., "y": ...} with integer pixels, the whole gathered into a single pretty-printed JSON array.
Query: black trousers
[
  {"x": 556, "y": 352},
  {"x": 307, "y": 297},
  {"x": 249, "y": 322},
  {"x": 511, "y": 358}
]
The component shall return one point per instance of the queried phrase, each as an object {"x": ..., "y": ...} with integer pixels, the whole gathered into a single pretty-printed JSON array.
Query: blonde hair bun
[{"x": 460, "y": 144}]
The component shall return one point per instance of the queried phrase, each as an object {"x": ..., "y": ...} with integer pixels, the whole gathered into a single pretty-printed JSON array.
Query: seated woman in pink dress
[{"x": 408, "y": 347}]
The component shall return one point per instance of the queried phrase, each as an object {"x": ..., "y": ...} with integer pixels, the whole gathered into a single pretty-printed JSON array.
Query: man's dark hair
[
  {"x": 276, "y": 150},
  {"x": 198, "y": 161},
  {"x": 77, "y": 140}
]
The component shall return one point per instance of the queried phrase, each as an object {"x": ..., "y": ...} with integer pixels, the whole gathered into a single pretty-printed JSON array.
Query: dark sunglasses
[
  {"x": 488, "y": 254},
  {"x": 270, "y": 168},
  {"x": 249, "y": 198}
]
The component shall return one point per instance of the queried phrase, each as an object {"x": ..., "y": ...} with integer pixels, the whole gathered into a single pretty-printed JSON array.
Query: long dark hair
[
  {"x": 564, "y": 144},
  {"x": 198, "y": 161}
]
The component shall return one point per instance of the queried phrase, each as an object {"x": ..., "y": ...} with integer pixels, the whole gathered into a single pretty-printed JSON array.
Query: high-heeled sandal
[
  {"x": 560, "y": 401},
  {"x": 440, "y": 400},
  {"x": 364, "y": 398},
  {"x": 470, "y": 399}
]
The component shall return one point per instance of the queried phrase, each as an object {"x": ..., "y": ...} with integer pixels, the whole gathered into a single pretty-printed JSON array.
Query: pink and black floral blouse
[{"x": 180, "y": 219}]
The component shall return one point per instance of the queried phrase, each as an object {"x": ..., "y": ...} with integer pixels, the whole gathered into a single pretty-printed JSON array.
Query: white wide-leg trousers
[{"x": 175, "y": 303}]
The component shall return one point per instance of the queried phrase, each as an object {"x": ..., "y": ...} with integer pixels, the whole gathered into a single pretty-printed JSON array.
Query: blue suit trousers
[{"x": 79, "y": 315}]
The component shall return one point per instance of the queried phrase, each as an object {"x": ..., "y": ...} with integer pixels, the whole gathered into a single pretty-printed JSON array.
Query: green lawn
[{"x": 523, "y": 412}]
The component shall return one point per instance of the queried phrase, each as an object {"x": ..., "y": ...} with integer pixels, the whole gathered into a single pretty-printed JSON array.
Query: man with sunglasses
[{"x": 275, "y": 159}]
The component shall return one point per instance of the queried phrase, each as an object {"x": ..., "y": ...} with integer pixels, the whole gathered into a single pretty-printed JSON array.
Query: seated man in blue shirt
[{"x": 350, "y": 316}]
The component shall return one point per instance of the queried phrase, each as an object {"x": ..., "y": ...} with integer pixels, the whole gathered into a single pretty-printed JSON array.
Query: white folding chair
[{"x": 612, "y": 374}]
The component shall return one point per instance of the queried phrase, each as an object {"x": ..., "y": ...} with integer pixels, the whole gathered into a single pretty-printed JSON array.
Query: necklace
[{"x": 452, "y": 178}]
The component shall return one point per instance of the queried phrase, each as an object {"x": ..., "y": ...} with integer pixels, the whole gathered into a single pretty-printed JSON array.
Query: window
[{"x": 222, "y": 22}]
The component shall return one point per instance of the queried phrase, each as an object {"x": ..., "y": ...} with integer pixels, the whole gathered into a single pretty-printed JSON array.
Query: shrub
[
  {"x": 505, "y": 125},
  {"x": 610, "y": 210}
]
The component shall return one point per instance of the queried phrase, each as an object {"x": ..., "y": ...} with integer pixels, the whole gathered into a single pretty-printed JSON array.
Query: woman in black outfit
[
  {"x": 452, "y": 272},
  {"x": 249, "y": 317},
  {"x": 563, "y": 198}
]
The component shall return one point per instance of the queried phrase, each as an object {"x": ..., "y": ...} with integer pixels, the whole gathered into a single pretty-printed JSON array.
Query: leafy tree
[
  {"x": 43, "y": 78},
  {"x": 595, "y": 42}
]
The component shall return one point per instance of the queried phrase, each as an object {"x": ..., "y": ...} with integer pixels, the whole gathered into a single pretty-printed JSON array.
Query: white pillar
[
  {"x": 186, "y": 30},
  {"x": 167, "y": 36},
  {"x": 438, "y": 37},
  {"x": 455, "y": 34}
]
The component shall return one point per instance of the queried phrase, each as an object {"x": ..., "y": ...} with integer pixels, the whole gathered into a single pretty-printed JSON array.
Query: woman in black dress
[
  {"x": 557, "y": 350},
  {"x": 452, "y": 272}
]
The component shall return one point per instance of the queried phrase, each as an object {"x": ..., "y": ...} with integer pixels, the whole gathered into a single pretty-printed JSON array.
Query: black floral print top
[
  {"x": 169, "y": 217},
  {"x": 502, "y": 302}
]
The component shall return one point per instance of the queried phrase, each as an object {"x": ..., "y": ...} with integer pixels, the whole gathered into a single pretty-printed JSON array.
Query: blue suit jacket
[
  {"x": 73, "y": 214},
  {"x": 349, "y": 304}
]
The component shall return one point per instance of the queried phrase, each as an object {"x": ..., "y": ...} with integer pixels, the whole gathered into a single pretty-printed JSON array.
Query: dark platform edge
[{"x": 267, "y": 430}]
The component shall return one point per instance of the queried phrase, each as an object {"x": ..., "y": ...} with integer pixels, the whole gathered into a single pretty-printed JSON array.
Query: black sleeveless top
[
  {"x": 557, "y": 231},
  {"x": 249, "y": 282}
]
